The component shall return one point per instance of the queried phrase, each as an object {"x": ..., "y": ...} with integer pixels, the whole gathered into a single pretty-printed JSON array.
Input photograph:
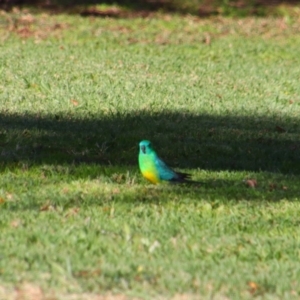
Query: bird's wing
[{"x": 165, "y": 173}]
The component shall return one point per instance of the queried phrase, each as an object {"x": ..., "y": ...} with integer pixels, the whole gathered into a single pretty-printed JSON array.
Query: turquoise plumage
[{"x": 155, "y": 169}]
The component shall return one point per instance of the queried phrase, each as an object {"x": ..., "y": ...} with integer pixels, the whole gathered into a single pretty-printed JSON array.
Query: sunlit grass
[{"x": 218, "y": 98}]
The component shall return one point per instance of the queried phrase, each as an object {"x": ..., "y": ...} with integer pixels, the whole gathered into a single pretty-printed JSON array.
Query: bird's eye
[{"x": 143, "y": 148}]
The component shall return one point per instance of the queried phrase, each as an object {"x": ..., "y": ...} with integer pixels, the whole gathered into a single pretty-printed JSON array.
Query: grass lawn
[{"x": 219, "y": 98}]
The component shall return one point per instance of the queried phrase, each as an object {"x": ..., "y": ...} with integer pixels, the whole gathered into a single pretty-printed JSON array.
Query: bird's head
[{"x": 145, "y": 147}]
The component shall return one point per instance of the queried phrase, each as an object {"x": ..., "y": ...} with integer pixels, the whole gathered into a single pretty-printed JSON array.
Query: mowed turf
[{"x": 219, "y": 98}]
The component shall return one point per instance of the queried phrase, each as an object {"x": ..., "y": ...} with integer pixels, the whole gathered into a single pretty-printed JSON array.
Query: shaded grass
[
  {"x": 126, "y": 8},
  {"x": 208, "y": 142},
  {"x": 218, "y": 98}
]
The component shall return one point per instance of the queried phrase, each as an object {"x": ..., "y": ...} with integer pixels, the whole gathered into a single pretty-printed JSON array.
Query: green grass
[{"x": 219, "y": 98}]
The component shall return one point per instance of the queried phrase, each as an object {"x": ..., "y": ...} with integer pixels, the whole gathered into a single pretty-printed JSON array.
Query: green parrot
[{"x": 155, "y": 170}]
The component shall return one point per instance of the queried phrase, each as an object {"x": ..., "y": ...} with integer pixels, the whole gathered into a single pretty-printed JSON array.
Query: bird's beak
[{"x": 143, "y": 148}]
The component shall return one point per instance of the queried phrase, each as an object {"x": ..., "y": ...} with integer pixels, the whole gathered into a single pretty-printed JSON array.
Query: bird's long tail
[{"x": 184, "y": 178}]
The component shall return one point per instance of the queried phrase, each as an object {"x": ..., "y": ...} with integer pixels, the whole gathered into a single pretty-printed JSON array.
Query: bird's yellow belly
[{"x": 151, "y": 177}]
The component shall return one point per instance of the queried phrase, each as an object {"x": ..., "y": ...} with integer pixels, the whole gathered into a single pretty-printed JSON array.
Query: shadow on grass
[
  {"x": 92, "y": 147},
  {"x": 189, "y": 141},
  {"x": 142, "y": 8}
]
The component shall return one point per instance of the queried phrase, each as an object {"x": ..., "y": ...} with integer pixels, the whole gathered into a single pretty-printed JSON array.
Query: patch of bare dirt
[
  {"x": 30, "y": 291},
  {"x": 26, "y": 25},
  {"x": 116, "y": 12}
]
